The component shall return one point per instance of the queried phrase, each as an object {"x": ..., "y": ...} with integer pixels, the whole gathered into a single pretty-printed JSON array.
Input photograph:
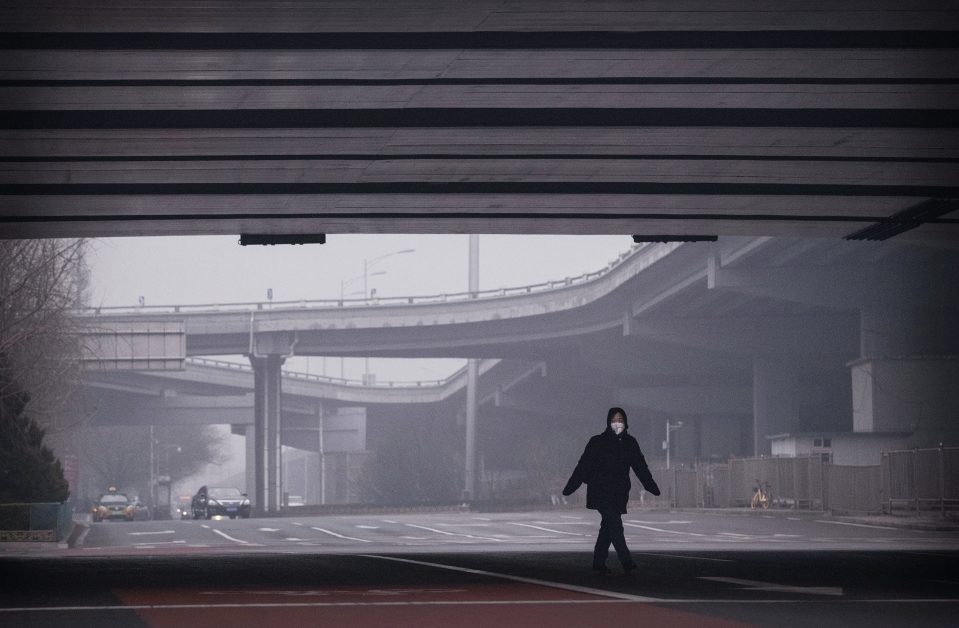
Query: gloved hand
[
  {"x": 654, "y": 490},
  {"x": 569, "y": 489}
]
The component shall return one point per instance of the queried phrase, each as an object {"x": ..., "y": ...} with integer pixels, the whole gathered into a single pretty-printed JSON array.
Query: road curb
[
  {"x": 930, "y": 525},
  {"x": 78, "y": 535}
]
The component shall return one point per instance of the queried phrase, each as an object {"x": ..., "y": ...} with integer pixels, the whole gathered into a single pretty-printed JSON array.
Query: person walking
[{"x": 604, "y": 468}]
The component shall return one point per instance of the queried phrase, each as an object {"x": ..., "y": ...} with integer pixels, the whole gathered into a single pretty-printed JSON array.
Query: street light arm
[{"x": 376, "y": 260}]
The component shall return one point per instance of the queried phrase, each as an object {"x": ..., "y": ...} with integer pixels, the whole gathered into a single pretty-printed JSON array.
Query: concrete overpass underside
[
  {"x": 684, "y": 118},
  {"x": 772, "y": 119}
]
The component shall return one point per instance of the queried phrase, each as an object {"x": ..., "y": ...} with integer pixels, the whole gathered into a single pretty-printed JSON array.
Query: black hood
[{"x": 612, "y": 411}]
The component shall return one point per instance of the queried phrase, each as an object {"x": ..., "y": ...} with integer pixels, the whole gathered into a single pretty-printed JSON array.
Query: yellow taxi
[{"x": 114, "y": 505}]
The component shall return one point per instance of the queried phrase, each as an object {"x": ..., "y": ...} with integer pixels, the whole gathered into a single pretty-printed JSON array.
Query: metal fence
[
  {"x": 915, "y": 479},
  {"x": 43, "y": 522},
  {"x": 852, "y": 489},
  {"x": 920, "y": 479},
  {"x": 795, "y": 482}
]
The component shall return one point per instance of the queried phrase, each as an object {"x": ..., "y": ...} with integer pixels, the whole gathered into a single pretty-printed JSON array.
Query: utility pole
[
  {"x": 669, "y": 428},
  {"x": 153, "y": 473}
]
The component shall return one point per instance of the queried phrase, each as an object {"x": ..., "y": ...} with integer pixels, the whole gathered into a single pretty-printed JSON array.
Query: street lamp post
[
  {"x": 165, "y": 478},
  {"x": 367, "y": 267},
  {"x": 669, "y": 428}
]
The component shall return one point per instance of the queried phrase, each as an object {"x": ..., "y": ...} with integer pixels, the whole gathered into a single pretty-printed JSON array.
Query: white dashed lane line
[
  {"x": 636, "y": 525},
  {"x": 340, "y": 536},
  {"x": 444, "y": 532},
  {"x": 528, "y": 525},
  {"x": 857, "y": 525},
  {"x": 228, "y": 537}
]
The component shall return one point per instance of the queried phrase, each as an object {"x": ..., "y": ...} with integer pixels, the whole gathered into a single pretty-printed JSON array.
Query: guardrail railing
[
  {"x": 379, "y": 301},
  {"x": 327, "y": 379}
]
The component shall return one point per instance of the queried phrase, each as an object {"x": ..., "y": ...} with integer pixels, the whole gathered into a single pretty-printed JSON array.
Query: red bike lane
[{"x": 499, "y": 605}]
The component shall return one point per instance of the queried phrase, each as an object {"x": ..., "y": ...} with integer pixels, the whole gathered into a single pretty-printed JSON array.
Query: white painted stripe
[
  {"x": 527, "y": 525},
  {"x": 757, "y": 585},
  {"x": 152, "y": 543},
  {"x": 230, "y": 538},
  {"x": 857, "y": 525},
  {"x": 142, "y": 607},
  {"x": 348, "y": 538},
  {"x": 387, "y": 521},
  {"x": 268, "y": 529},
  {"x": 146, "y": 533},
  {"x": 542, "y": 583},
  {"x": 470, "y": 536},
  {"x": 465, "y": 525},
  {"x": 717, "y": 560},
  {"x": 367, "y": 527},
  {"x": 745, "y": 536},
  {"x": 660, "y": 522},
  {"x": 636, "y": 525},
  {"x": 137, "y": 607}
]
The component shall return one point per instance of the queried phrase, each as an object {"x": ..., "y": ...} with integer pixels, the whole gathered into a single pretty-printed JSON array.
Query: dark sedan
[{"x": 217, "y": 501}]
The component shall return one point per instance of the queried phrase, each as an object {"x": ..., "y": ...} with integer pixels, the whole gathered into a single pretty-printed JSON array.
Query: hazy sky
[{"x": 216, "y": 269}]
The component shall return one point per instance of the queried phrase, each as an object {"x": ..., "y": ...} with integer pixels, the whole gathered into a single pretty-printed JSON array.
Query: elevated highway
[{"x": 742, "y": 339}]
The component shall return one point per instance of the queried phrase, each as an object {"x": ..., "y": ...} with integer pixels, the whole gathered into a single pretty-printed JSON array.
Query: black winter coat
[{"x": 604, "y": 468}]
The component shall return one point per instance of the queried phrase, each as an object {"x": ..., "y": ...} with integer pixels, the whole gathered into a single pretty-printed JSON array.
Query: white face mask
[{"x": 617, "y": 428}]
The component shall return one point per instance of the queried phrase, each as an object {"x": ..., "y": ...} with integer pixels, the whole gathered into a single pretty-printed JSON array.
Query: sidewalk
[
  {"x": 925, "y": 521},
  {"x": 81, "y": 525}
]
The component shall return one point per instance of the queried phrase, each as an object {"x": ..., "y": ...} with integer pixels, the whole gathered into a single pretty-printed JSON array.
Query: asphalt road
[{"x": 469, "y": 569}]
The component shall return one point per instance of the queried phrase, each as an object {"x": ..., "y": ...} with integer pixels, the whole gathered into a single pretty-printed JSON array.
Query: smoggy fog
[{"x": 745, "y": 348}]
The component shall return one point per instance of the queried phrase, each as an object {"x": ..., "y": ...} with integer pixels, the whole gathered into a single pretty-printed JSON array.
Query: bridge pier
[
  {"x": 904, "y": 380},
  {"x": 267, "y": 393},
  {"x": 775, "y": 401}
]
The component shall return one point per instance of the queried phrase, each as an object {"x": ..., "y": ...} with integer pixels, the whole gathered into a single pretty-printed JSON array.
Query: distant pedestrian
[{"x": 604, "y": 467}]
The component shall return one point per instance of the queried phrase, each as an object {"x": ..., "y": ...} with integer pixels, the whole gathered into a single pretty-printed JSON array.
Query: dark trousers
[{"x": 611, "y": 531}]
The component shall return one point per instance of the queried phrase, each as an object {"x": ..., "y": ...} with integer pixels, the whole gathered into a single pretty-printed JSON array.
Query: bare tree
[
  {"x": 41, "y": 281},
  {"x": 119, "y": 455},
  {"x": 416, "y": 465}
]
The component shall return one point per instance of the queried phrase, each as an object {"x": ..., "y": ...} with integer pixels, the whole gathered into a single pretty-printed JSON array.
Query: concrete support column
[
  {"x": 904, "y": 380},
  {"x": 775, "y": 401},
  {"x": 267, "y": 391},
  {"x": 472, "y": 376},
  {"x": 250, "y": 471},
  {"x": 321, "y": 452}
]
